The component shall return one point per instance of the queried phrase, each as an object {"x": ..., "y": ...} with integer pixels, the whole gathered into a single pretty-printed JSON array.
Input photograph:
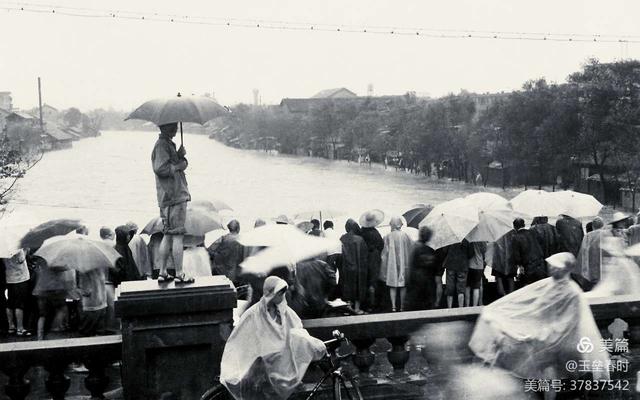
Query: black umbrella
[
  {"x": 415, "y": 215},
  {"x": 57, "y": 227}
]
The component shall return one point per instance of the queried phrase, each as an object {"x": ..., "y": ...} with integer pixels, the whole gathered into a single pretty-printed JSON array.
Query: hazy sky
[{"x": 95, "y": 62}]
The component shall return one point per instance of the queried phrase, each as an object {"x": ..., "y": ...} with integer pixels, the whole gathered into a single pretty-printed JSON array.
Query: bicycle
[{"x": 341, "y": 383}]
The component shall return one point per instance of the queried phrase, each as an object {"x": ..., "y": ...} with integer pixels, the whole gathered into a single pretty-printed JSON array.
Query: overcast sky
[{"x": 94, "y": 62}]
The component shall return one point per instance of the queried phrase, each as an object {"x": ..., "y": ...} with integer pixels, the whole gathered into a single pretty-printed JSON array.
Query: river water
[{"x": 108, "y": 181}]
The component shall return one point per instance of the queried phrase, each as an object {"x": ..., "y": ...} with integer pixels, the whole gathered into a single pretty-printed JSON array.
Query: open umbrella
[
  {"x": 77, "y": 252},
  {"x": 495, "y": 217},
  {"x": 578, "y": 205},
  {"x": 197, "y": 223},
  {"x": 198, "y": 109},
  {"x": 415, "y": 215},
  {"x": 371, "y": 218},
  {"x": 537, "y": 203},
  {"x": 487, "y": 200},
  {"x": 209, "y": 205},
  {"x": 296, "y": 249},
  {"x": 57, "y": 227},
  {"x": 451, "y": 222}
]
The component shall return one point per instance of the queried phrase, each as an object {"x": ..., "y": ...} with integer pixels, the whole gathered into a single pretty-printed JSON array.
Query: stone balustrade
[
  {"x": 96, "y": 353},
  {"x": 397, "y": 328}
]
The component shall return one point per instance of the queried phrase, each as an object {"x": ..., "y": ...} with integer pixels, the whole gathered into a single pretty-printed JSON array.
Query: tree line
[{"x": 531, "y": 136}]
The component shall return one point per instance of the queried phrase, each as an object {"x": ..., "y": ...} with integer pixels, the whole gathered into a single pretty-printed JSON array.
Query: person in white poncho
[
  {"x": 268, "y": 352},
  {"x": 533, "y": 332}
]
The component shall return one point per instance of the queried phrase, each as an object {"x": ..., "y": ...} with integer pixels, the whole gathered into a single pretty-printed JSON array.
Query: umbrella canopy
[
  {"x": 213, "y": 205},
  {"x": 495, "y": 217},
  {"x": 320, "y": 214},
  {"x": 578, "y": 205},
  {"x": 272, "y": 235},
  {"x": 451, "y": 222},
  {"x": 77, "y": 252},
  {"x": 415, "y": 215},
  {"x": 296, "y": 249},
  {"x": 197, "y": 223},
  {"x": 57, "y": 227},
  {"x": 371, "y": 218},
  {"x": 486, "y": 200},
  {"x": 537, "y": 203},
  {"x": 493, "y": 223},
  {"x": 198, "y": 109}
]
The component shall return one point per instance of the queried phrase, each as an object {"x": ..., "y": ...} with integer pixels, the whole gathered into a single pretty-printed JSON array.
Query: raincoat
[
  {"x": 126, "y": 265},
  {"x": 589, "y": 258},
  {"x": 171, "y": 184},
  {"x": 541, "y": 325},
  {"x": 226, "y": 254},
  {"x": 570, "y": 234},
  {"x": 547, "y": 237},
  {"x": 315, "y": 281},
  {"x": 502, "y": 260},
  {"x": 141, "y": 256},
  {"x": 375, "y": 244},
  {"x": 264, "y": 359},
  {"x": 396, "y": 256},
  {"x": 354, "y": 274}
]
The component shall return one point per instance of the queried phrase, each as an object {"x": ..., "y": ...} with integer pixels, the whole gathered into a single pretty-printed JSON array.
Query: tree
[
  {"x": 609, "y": 98},
  {"x": 72, "y": 117}
]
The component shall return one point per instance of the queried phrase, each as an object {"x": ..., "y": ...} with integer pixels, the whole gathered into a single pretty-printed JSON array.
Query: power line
[{"x": 320, "y": 27}]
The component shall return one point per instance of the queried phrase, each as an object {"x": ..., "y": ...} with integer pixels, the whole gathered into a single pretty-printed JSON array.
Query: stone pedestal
[{"x": 173, "y": 336}]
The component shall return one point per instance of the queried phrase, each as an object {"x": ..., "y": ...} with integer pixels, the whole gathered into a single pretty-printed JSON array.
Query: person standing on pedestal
[{"x": 173, "y": 194}]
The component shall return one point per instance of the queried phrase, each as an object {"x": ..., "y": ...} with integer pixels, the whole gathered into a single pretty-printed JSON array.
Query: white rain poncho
[
  {"x": 264, "y": 359},
  {"x": 539, "y": 326}
]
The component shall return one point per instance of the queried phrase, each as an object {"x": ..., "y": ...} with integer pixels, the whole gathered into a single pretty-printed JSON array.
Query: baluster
[
  {"x": 97, "y": 380},
  {"x": 57, "y": 382},
  {"x": 364, "y": 359},
  {"x": 398, "y": 357},
  {"x": 18, "y": 387}
]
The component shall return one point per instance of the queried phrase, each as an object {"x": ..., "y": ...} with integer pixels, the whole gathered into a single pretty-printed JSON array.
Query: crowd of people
[{"x": 370, "y": 272}]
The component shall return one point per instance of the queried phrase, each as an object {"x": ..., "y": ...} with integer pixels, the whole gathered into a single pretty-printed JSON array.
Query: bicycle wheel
[
  {"x": 217, "y": 392},
  {"x": 345, "y": 388}
]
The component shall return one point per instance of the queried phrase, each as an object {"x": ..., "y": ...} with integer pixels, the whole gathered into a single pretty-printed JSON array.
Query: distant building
[
  {"x": 22, "y": 131},
  {"x": 6, "y": 102},
  {"x": 334, "y": 94},
  {"x": 3, "y": 115}
]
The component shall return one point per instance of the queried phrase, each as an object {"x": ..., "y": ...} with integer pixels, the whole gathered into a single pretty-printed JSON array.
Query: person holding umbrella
[{"x": 173, "y": 194}]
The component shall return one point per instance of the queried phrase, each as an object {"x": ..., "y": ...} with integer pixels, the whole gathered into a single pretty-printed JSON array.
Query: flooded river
[{"x": 108, "y": 180}]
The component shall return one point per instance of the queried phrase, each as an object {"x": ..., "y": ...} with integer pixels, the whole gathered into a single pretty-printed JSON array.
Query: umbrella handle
[{"x": 181, "y": 137}]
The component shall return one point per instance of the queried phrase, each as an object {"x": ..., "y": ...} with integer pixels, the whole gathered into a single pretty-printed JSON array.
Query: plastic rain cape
[
  {"x": 540, "y": 326},
  {"x": 263, "y": 359}
]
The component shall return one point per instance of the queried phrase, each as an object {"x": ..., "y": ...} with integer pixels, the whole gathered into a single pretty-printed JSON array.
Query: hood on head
[{"x": 272, "y": 285}]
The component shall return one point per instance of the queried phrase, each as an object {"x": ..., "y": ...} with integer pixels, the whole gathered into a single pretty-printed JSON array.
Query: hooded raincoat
[
  {"x": 539, "y": 326},
  {"x": 264, "y": 359}
]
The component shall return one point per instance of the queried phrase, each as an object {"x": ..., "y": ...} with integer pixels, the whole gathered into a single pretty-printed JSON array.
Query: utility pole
[{"x": 40, "y": 104}]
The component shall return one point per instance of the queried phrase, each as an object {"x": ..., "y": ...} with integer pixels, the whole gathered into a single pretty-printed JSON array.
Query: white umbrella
[
  {"x": 451, "y": 222},
  {"x": 294, "y": 250},
  {"x": 537, "y": 203},
  {"x": 495, "y": 217},
  {"x": 578, "y": 205},
  {"x": 487, "y": 200}
]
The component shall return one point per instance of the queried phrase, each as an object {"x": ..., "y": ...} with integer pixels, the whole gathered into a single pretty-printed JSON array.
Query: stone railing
[
  {"x": 397, "y": 328},
  {"x": 96, "y": 353}
]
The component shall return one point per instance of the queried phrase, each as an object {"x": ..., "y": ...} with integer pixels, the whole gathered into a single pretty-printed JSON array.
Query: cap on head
[{"x": 562, "y": 260}]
